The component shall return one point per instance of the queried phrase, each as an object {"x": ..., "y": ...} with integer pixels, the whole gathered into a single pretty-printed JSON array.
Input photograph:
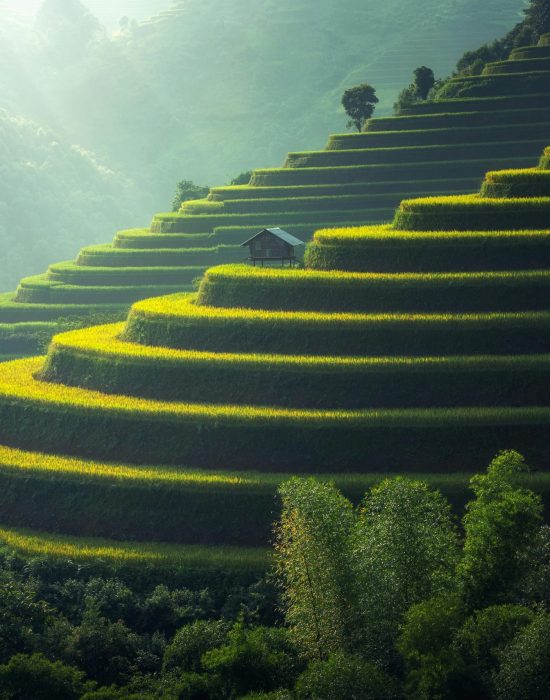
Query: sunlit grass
[
  {"x": 18, "y": 384},
  {"x": 156, "y": 553}
]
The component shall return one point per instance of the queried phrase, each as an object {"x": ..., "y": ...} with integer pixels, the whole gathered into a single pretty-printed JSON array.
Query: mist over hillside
[{"x": 206, "y": 90}]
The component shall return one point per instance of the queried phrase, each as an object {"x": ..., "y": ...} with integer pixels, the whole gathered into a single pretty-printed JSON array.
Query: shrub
[
  {"x": 345, "y": 676},
  {"x": 524, "y": 672},
  {"x": 185, "y": 651},
  {"x": 40, "y": 679}
]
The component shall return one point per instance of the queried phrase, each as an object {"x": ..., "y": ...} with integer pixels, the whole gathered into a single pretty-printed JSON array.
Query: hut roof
[{"x": 283, "y": 235}]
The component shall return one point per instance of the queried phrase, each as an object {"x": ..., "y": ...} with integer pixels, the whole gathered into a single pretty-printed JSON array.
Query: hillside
[
  {"x": 43, "y": 215},
  {"x": 440, "y": 322},
  {"x": 436, "y": 148},
  {"x": 208, "y": 84}
]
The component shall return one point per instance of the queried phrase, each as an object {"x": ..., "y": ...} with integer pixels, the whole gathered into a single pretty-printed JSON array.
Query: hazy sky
[{"x": 107, "y": 11}]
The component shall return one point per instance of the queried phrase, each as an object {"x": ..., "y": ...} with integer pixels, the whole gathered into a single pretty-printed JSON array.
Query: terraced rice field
[
  {"x": 398, "y": 348},
  {"x": 496, "y": 120}
]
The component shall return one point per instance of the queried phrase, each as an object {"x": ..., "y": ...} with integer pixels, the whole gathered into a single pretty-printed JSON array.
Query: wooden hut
[{"x": 273, "y": 245}]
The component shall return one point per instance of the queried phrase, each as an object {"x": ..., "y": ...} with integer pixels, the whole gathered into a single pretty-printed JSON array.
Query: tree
[
  {"x": 345, "y": 676},
  {"x": 538, "y": 16},
  {"x": 359, "y": 103},
  {"x": 405, "y": 549},
  {"x": 501, "y": 525},
  {"x": 253, "y": 659},
  {"x": 187, "y": 190},
  {"x": 424, "y": 80},
  {"x": 313, "y": 562},
  {"x": 37, "y": 678},
  {"x": 242, "y": 178},
  {"x": 525, "y": 664}
]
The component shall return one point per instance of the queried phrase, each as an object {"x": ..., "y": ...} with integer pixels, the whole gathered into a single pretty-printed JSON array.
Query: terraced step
[
  {"x": 143, "y": 238},
  {"x": 96, "y": 359},
  {"x": 56, "y": 419},
  {"x": 374, "y": 188},
  {"x": 520, "y": 65},
  {"x": 180, "y": 223},
  {"x": 12, "y": 311},
  {"x": 504, "y": 101},
  {"x": 531, "y": 182},
  {"x": 517, "y": 84},
  {"x": 94, "y": 500},
  {"x": 41, "y": 290},
  {"x": 152, "y": 258},
  {"x": 413, "y": 154},
  {"x": 177, "y": 322},
  {"x": 242, "y": 286},
  {"x": 404, "y": 172},
  {"x": 118, "y": 553},
  {"x": 384, "y": 249},
  {"x": 470, "y": 212},
  {"x": 274, "y": 206},
  {"x": 529, "y": 52},
  {"x": 463, "y": 119},
  {"x": 437, "y": 137}
]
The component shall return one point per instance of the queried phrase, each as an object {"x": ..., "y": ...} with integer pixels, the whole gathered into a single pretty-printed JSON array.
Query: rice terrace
[{"x": 291, "y": 440}]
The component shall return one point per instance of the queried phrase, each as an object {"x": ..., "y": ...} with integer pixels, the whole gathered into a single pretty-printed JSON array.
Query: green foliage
[
  {"x": 185, "y": 651},
  {"x": 313, "y": 561},
  {"x": 253, "y": 659},
  {"x": 187, "y": 190},
  {"x": 424, "y": 80},
  {"x": 524, "y": 672},
  {"x": 484, "y": 636},
  {"x": 359, "y": 103},
  {"x": 537, "y": 16},
  {"x": 500, "y": 525},
  {"x": 405, "y": 549},
  {"x": 242, "y": 179},
  {"x": 345, "y": 676},
  {"x": 25, "y": 677},
  {"x": 23, "y": 617}
]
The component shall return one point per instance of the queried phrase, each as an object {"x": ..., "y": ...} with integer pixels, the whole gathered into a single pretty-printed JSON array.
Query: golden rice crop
[
  {"x": 18, "y": 383},
  {"x": 83, "y": 548},
  {"x": 364, "y": 234},
  {"x": 38, "y": 462},
  {"x": 474, "y": 201},
  {"x": 104, "y": 341}
]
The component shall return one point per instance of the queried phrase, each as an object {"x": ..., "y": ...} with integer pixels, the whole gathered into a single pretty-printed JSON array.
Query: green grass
[
  {"x": 247, "y": 192},
  {"x": 177, "y": 322},
  {"x": 517, "y": 84},
  {"x": 502, "y": 103},
  {"x": 384, "y": 172},
  {"x": 519, "y": 65},
  {"x": 148, "y": 240},
  {"x": 436, "y": 136},
  {"x": 61, "y": 494},
  {"x": 107, "y": 256},
  {"x": 530, "y": 182},
  {"x": 97, "y": 359},
  {"x": 527, "y": 52},
  {"x": 311, "y": 290},
  {"x": 383, "y": 249},
  {"x": 136, "y": 554},
  {"x": 470, "y": 212},
  {"x": 497, "y": 118},
  {"x": 18, "y": 312},
  {"x": 416, "y": 154},
  {"x": 179, "y": 223},
  {"x": 56, "y": 418},
  {"x": 43, "y": 291}
]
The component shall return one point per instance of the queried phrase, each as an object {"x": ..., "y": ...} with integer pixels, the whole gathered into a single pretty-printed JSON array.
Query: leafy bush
[
  {"x": 40, "y": 679},
  {"x": 345, "y": 676}
]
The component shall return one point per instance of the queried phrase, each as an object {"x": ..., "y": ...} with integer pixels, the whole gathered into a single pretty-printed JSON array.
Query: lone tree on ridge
[
  {"x": 424, "y": 80},
  {"x": 359, "y": 103}
]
